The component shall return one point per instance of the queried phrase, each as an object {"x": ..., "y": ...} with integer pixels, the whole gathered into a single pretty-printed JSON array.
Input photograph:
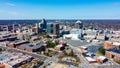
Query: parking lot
[{"x": 94, "y": 48}]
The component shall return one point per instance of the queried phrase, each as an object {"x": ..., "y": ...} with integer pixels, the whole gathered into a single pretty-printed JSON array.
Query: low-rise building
[
  {"x": 7, "y": 36},
  {"x": 113, "y": 53},
  {"x": 112, "y": 50},
  {"x": 13, "y": 60},
  {"x": 59, "y": 47},
  {"x": 101, "y": 59},
  {"x": 34, "y": 38},
  {"x": 32, "y": 47},
  {"x": 72, "y": 36},
  {"x": 16, "y": 43},
  {"x": 90, "y": 60},
  {"x": 108, "y": 45}
]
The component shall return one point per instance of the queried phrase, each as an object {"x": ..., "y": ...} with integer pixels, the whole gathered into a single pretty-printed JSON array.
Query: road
[
  {"x": 93, "y": 44},
  {"x": 85, "y": 63},
  {"x": 24, "y": 52},
  {"x": 52, "y": 59}
]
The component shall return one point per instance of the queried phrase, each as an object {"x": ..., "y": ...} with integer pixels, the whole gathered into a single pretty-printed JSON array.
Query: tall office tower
[
  {"x": 13, "y": 30},
  {"x": 42, "y": 26},
  {"x": 56, "y": 29},
  {"x": 44, "y": 23},
  {"x": 78, "y": 25},
  {"x": 36, "y": 28},
  {"x": 50, "y": 28}
]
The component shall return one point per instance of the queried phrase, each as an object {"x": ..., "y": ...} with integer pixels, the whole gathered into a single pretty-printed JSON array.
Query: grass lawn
[{"x": 99, "y": 53}]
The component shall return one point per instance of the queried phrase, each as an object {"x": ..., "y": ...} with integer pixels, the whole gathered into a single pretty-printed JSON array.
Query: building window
[{"x": 113, "y": 56}]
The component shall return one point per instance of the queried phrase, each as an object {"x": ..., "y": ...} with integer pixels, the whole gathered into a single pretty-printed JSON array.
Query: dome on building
[{"x": 78, "y": 21}]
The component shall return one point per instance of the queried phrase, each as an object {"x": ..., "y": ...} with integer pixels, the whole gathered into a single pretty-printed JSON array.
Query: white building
[{"x": 72, "y": 36}]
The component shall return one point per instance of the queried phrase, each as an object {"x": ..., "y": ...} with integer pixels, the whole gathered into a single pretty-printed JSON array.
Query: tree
[
  {"x": 101, "y": 50},
  {"x": 56, "y": 42},
  {"x": 50, "y": 44},
  {"x": 1, "y": 49},
  {"x": 42, "y": 49}
]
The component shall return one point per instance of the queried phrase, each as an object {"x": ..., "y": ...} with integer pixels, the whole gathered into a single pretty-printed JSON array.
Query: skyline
[{"x": 59, "y": 9}]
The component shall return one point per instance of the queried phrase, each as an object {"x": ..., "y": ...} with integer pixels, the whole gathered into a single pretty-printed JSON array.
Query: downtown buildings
[
  {"x": 76, "y": 33},
  {"x": 50, "y": 28},
  {"x": 53, "y": 28}
]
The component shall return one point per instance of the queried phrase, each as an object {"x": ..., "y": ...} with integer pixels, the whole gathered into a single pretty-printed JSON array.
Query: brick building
[
  {"x": 30, "y": 47},
  {"x": 113, "y": 53},
  {"x": 112, "y": 50},
  {"x": 108, "y": 45},
  {"x": 16, "y": 43}
]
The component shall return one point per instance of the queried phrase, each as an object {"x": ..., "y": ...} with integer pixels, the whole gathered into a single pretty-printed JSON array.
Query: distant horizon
[{"x": 59, "y": 19}]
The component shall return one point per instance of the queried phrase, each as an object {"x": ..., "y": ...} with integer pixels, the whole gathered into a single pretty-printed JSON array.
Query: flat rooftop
[
  {"x": 114, "y": 50},
  {"x": 17, "y": 42},
  {"x": 4, "y": 55},
  {"x": 12, "y": 59},
  {"x": 33, "y": 45}
]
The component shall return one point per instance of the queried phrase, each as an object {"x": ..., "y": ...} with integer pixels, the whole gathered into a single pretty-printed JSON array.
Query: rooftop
[
  {"x": 4, "y": 55},
  {"x": 33, "y": 45},
  {"x": 11, "y": 59},
  {"x": 30, "y": 45},
  {"x": 116, "y": 43},
  {"x": 102, "y": 57},
  {"x": 90, "y": 59},
  {"x": 18, "y": 42},
  {"x": 114, "y": 50}
]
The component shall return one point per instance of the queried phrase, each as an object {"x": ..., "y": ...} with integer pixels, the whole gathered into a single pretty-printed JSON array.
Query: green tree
[
  {"x": 101, "y": 50},
  {"x": 0, "y": 50},
  {"x": 50, "y": 44},
  {"x": 56, "y": 42},
  {"x": 42, "y": 49}
]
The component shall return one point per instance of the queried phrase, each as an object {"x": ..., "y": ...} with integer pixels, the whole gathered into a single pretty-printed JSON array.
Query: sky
[{"x": 60, "y": 9}]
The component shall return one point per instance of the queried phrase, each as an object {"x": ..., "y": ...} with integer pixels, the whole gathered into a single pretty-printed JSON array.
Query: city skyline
[{"x": 59, "y": 9}]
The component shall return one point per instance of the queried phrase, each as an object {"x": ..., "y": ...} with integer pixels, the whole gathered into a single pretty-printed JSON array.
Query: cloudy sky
[{"x": 60, "y": 9}]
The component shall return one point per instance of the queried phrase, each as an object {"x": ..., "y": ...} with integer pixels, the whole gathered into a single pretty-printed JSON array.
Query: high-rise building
[
  {"x": 44, "y": 23},
  {"x": 53, "y": 28},
  {"x": 78, "y": 25},
  {"x": 43, "y": 26},
  {"x": 50, "y": 28},
  {"x": 36, "y": 28},
  {"x": 40, "y": 25},
  {"x": 56, "y": 29},
  {"x": 13, "y": 28}
]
